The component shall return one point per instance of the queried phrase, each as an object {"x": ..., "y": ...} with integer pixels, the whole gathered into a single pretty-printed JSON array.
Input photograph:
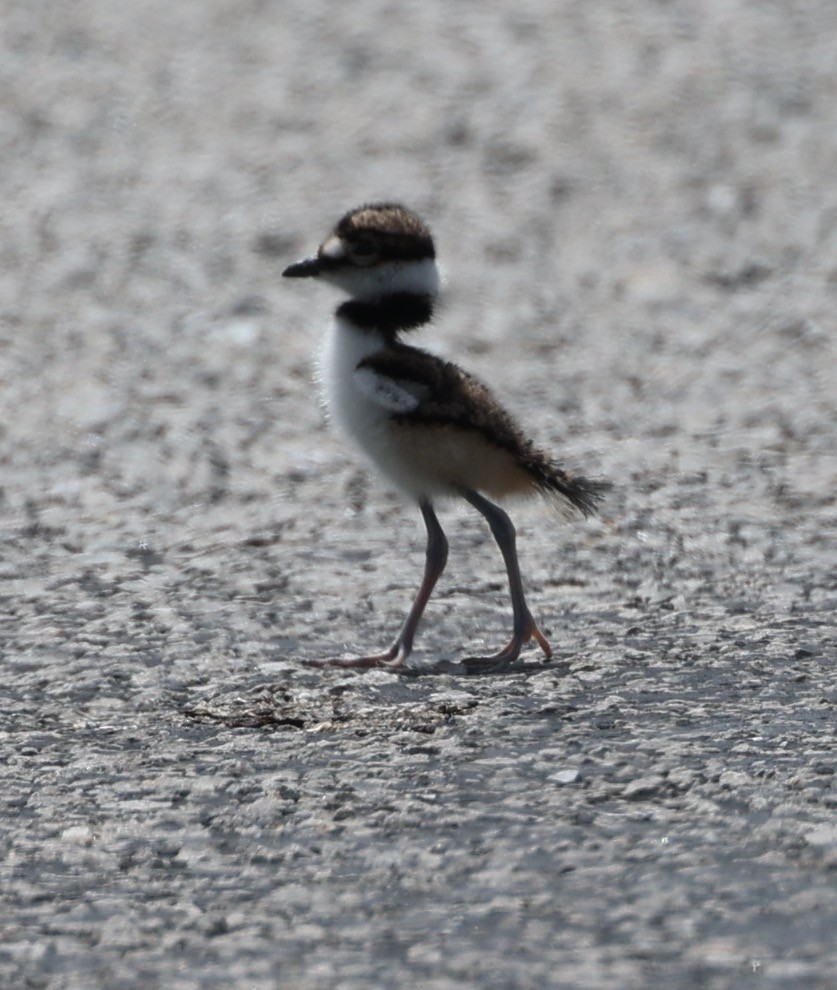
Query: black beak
[{"x": 309, "y": 268}]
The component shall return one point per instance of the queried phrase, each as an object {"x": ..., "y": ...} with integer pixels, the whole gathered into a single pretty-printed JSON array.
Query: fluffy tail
[{"x": 567, "y": 491}]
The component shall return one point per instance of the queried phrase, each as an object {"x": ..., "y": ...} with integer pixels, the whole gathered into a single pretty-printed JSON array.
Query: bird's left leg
[{"x": 524, "y": 626}]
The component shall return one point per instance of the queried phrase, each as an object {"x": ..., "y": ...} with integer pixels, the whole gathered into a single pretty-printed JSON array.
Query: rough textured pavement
[{"x": 636, "y": 208}]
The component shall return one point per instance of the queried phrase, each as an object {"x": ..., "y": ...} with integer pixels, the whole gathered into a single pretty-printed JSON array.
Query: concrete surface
[{"x": 636, "y": 207}]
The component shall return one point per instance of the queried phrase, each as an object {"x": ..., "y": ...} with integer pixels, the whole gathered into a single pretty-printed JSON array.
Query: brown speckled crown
[{"x": 399, "y": 233}]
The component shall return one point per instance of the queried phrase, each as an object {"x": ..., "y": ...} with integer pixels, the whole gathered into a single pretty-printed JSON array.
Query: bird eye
[{"x": 364, "y": 252}]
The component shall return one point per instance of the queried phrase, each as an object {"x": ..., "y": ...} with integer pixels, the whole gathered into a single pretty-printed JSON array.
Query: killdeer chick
[{"x": 426, "y": 424}]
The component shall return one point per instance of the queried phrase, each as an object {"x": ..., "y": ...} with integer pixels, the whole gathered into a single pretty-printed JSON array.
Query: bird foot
[
  {"x": 393, "y": 659},
  {"x": 510, "y": 653}
]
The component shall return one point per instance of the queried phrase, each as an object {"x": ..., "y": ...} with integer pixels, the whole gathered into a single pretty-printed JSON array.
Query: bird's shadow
[
  {"x": 477, "y": 668},
  {"x": 468, "y": 667}
]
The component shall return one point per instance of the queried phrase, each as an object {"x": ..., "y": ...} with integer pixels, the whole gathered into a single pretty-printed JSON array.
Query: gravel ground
[{"x": 637, "y": 211}]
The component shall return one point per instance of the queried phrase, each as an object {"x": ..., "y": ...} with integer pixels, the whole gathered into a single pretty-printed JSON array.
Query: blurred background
[
  {"x": 634, "y": 205},
  {"x": 636, "y": 209}
]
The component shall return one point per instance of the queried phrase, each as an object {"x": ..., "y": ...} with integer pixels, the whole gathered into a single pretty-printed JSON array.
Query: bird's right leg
[{"x": 402, "y": 646}]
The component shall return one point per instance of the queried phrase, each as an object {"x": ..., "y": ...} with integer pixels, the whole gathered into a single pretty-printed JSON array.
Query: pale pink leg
[{"x": 402, "y": 647}]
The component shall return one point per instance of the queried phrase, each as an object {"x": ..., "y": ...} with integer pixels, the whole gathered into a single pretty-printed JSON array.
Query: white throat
[{"x": 366, "y": 284}]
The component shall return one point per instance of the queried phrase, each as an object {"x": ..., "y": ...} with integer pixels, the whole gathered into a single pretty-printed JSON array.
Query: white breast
[{"x": 360, "y": 403}]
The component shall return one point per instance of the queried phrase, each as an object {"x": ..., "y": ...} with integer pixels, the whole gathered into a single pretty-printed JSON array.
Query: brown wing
[{"x": 449, "y": 396}]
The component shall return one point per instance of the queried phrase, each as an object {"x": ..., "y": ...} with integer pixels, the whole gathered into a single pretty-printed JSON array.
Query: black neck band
[{"x": 398, "y": 311}]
